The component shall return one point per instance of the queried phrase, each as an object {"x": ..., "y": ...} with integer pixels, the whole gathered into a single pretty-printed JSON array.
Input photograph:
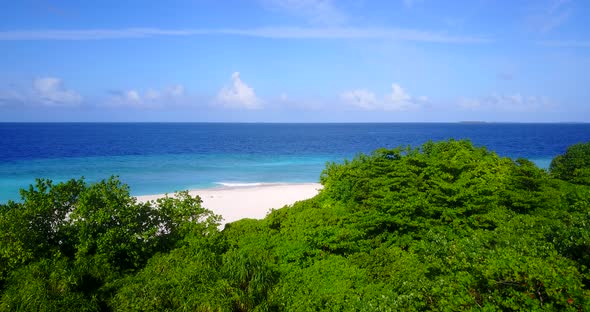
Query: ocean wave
[{"x": 244, "y": 184}]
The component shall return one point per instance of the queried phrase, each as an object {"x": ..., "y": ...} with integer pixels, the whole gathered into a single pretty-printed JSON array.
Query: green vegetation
[
  {"x": 445, "y": 227},
  {"x": 574, "y": 165}
]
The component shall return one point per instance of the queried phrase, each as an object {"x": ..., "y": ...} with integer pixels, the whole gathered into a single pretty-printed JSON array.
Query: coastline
[{"x": 235, "y": 202}]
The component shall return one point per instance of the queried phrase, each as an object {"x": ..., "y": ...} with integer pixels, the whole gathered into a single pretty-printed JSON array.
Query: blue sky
[{"x": 295, "y": 61}]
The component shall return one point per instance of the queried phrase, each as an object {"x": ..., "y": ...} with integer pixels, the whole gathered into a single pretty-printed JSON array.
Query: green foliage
[
  {"x": 445, "y": 227},
  {"x": 71, "y": 240},
  {"x": 48, "y": 285},
  {"x": 186, "y": 279},
  {"x": 574, "y": 165}
]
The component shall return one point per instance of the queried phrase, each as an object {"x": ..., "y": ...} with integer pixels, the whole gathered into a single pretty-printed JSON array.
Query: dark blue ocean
[{"x": 164, "y": 157}]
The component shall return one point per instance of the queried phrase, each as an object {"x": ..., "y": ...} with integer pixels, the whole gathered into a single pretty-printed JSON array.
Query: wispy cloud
[
  {"x": 152, "y": 98},
  {"x": 316, "y": 11},
  {"x": 11, "y": 98},
  {"x": 95, "y": 34},
  {"x": 357, "y": 33},
  {"x": 397, "y": 100},
  {"x": 550, "y": 15},
  {"x": 399, "y": 34},
  {"x": 44, "y": 91},
  {"x": 51, "y": 91},
  {"x": 506, "y": 103},
  {"x": 410, "y": 3},
  {"x": 238, "y": 95},
  {"x": 361, "y": 98},
  {"x": 566, "y": 43}
]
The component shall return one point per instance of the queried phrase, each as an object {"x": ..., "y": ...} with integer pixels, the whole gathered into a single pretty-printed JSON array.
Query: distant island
[{"x": 473, "y": 122}]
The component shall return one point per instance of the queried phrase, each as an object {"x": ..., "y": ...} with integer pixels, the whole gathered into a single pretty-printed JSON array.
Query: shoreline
[{"x": 240, "y": 201}]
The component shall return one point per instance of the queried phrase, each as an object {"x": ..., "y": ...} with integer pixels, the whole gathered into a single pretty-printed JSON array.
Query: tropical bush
[
  {"x": 448, "y": 226},
  {"x": 574, "y": 165}
]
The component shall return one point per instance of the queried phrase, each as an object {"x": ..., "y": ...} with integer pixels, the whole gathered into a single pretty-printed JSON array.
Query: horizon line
[{"x": 299, "y": 122}]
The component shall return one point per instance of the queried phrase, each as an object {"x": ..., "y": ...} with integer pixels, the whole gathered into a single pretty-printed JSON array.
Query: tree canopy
[
  {"x": 447, "y": 226},
  {"x": 574, "y": 165}
]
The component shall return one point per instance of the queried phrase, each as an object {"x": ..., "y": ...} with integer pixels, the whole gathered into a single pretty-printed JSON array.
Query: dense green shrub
[
  {"x": 66, "y": 244},
  {"x": 445, "y": 227},
  {"x": 574, "y": 165}
]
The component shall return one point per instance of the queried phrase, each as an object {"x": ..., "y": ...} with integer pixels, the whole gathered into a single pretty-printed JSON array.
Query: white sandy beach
[{"x": 237, "y": 202}]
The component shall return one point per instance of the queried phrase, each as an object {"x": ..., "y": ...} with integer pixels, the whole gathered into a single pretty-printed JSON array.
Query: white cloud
[
  {"x": 176, "y": 91},
  {"x": 361, "y": 98},
  {"x": 238, "y": 95},
  {"x": 316, "y": 11},
  {"x": 45, "y": 91},
  {"x": 506, "y": 103},
  {"x": 149, "y": 99},
  {"x": 50, "y": 91},
  {"x": 131, "y": 96},
  {"x": 398, "y": 34},
  {"x": 397, "y": 100}
]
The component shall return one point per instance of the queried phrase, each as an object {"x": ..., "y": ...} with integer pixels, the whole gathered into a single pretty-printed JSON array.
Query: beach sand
[{"x": 238, "y": 202}]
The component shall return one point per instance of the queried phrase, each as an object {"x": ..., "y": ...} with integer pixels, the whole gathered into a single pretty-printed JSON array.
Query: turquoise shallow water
[
  {"x": 154, "y": 174},
  {"x": 158, "y": 158}
]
